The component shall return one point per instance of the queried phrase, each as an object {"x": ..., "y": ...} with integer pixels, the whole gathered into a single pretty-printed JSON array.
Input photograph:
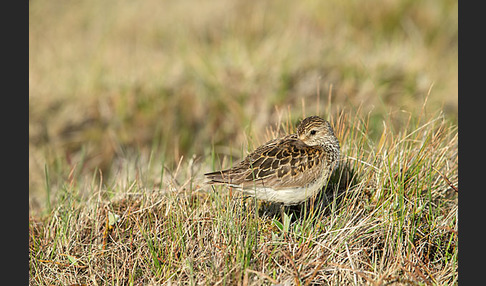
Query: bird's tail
[
  {"x": 218, "y": 177},
  {"x": 229, "y": 177}
]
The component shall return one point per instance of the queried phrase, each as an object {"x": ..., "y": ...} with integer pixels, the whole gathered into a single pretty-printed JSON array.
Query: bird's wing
[
  {"x": 280, "y": 163},
  {"x": 234, "y": 176}
]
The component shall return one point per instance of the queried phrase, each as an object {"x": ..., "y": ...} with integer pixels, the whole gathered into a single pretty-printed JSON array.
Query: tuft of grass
[{"x": 388, "y": 215}]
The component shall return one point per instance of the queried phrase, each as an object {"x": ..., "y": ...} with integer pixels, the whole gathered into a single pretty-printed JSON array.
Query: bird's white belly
[{"x": 288, "y": 196}]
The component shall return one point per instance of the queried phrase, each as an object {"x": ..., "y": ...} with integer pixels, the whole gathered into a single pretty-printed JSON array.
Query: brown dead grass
[{"x": 388, "y": 216}]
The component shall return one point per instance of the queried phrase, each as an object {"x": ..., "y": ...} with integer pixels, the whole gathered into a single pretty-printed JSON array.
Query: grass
[
  {"x": 130, "y": 104},
  {"x": 389, "y": 215}
]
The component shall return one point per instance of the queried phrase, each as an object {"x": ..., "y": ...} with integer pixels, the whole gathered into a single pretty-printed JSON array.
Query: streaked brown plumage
[{"x": 289, "y": 169}]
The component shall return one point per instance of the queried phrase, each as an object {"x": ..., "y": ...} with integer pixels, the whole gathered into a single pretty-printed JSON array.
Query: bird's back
[{"x": 279, "y": 164}]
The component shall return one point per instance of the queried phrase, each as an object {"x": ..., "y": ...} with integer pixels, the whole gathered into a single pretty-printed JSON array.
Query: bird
[{"x": 286, "y": 170}]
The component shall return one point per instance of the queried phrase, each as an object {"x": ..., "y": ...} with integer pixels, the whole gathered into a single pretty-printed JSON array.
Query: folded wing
[{"x": 280, "y": 163}]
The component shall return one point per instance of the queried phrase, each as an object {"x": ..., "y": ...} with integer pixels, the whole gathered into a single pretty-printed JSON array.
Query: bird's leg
[{"x": 282, "y": 212}]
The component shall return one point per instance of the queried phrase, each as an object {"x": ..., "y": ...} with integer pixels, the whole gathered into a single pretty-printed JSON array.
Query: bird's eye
[{"x": 313, "y": 132}]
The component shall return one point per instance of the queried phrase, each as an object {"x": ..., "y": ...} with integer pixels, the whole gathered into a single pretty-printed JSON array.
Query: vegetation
[{"x": 130, "y": 104}]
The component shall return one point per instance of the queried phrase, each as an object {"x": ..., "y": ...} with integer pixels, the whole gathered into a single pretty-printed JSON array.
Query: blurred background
[{"x": 182, "y": 78}]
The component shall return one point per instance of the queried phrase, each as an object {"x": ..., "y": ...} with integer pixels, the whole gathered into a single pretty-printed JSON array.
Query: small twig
[
  {"x": 62, "y": 264},
  {"x": 146, "y": 208},
  {"x": 446, "y": 179}
]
